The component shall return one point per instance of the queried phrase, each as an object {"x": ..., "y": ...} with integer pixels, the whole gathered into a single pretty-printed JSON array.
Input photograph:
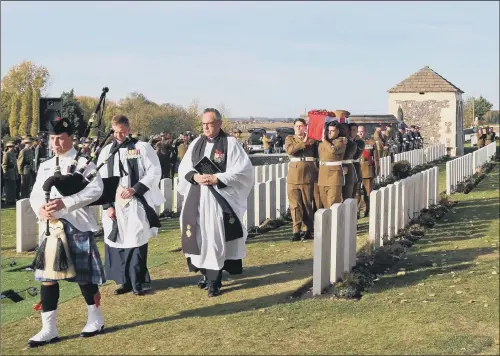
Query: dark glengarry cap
[{"x": 58, "y": 126}]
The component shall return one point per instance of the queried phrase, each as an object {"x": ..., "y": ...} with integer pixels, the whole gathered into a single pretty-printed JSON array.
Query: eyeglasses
[{"x": 208, "y": 123}]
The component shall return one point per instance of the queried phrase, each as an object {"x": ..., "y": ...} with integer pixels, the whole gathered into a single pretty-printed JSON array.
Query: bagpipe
[{"x": 55, "y": 246}]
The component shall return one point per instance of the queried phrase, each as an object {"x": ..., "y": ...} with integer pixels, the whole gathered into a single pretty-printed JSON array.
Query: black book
[{"x": 206, "y": 166}]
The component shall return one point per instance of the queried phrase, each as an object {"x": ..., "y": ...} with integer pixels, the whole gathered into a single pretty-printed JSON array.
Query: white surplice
[
  {"x": 133, "y": 225},
  {"x": 239, "y": 179}
]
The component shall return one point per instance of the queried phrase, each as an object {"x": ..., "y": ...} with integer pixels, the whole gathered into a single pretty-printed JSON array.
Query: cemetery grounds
[{"x": 445, "y": 302}]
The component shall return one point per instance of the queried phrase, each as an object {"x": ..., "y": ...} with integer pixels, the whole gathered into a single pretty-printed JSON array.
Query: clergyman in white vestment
[
  {"x": 213, "y": 233},
  {"x": 131, "y": 221}
]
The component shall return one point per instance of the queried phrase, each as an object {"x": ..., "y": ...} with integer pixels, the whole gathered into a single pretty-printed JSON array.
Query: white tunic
[
  {"x": 133, "y": 226},
  {"x": 239, "y": 178},
  {"x": 76, "y": 210}
]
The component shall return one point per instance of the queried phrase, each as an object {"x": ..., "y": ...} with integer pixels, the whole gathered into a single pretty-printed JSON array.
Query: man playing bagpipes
[{"x": 68, "y": 249}]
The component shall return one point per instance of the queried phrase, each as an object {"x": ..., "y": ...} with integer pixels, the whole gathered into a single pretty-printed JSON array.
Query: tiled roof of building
[{"x": 425, "y": 80}]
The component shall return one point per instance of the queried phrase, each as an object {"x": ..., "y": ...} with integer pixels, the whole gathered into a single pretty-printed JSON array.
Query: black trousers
[{"x": 127, "y": 266}]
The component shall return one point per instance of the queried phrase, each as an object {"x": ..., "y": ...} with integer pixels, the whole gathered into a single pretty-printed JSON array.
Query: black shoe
[
  {"x": 122, "y": 290},
  {"x": 32, "y": 343},
  {"x": 295, "y": 236},
  {"x": 138, "y": 290},
  {"x": 203, "y": 283},
  {"x": 213, "y": 290},
  {"x": 306, "y": 235}
]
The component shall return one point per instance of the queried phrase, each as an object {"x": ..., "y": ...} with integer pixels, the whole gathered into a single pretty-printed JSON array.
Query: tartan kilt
[{"x": 84, "y": 254}]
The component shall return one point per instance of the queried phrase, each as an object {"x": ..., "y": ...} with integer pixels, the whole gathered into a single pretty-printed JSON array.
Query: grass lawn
[{"x": 446, "y": 303}]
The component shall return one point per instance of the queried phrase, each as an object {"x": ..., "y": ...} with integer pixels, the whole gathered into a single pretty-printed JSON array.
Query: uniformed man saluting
[
  {"x": 369, "y": 164},
  {"x": 10, "y": 173},
  {"x": 302, "y": 174},
  {"x": 331, "y": 152},
  {"x": 25, "y": 168}
]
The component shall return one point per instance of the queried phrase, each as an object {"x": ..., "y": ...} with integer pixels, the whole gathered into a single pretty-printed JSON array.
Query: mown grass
[{"x": 446, "y": 303}]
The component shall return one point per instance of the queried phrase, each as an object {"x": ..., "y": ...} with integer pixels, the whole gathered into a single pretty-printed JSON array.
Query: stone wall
[
  {"x": 435, "y": 113},
  {"x": 427, "y": 115}
]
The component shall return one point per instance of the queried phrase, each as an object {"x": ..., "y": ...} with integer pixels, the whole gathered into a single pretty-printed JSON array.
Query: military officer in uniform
[
  {"x": 480, "y": 137},
  {"x": 302, "y": 174},
  {"x": 369, "y": 165},
  {"x": 348, "y": 164},
  {"x": 379, "y": 140},
  {"x": 331, "y": 153},
  {"x": 9, "y": 171},
  {"x": 25, "y": 168},
  {"x": 353, "y": 132},
  {"x": 490, "y": 136}
]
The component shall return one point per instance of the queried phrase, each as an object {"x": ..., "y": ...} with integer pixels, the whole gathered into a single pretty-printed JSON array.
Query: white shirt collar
[{"x": 69, "y": 153}]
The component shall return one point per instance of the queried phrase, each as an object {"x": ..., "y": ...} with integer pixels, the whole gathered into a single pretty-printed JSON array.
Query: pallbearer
[
  {"x": 215, "y": 178},
  {"x": 76, "y": 257},
  {"x": 131, "y": 221},
  {"x": 348, "y": 164},
  {"x": 330, "y": 178},
  {"x": 302, "y": 174},
  {"x": 353, "y": 132},
  {"x": 369, "y": 165}
]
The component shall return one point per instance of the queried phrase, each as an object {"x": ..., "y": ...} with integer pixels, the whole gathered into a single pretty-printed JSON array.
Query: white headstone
[
  {"x": 398, "y": 210},
  {"x": 351, "y": 232},
  {"x": 374, "y": 219},
  {"x": 166, "y": 189},
  {"x": 392, "y": 213},
  {"x": 249, "y": 216},
  {"x": 384, "y": 213},
  {"x": 26, "y": 226},
  {"x": 271, "y": 199},
  {"x": 281, "y": 206},
  {"x": 259, "y": 203},
  {"x": 321, "y": 259},
  {"x": 337, "y": 232},
  {"x": 435, "y": 185}
]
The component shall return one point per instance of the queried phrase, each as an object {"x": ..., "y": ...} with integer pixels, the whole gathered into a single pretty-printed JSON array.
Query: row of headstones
[
  {"x": 415, "y": 157},
  {"x": 435, "y": 152},
  {"x": 266, "y": 200},
  {"x": 461, "y": 168},
  {"x": 270, "y": 172},
  {"x": 335, "y": 232},
  {"x": 393, "y": 206}
]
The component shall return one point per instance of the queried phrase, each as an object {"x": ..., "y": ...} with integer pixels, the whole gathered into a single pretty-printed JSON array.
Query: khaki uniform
[
  {"x": 361, "y": 146},
  {"x": 380, "y": 144},
  {"x": 10, "y": 175},
  {"x": 25, "y": 168},
  {"x": 490, "y": 137},
  {"x": 480, "y": 138},
  {"x": 266, "y": 142},
  {"x": 330, "y": 177},
  {"x": 368, "y": 163},
  {"x": 181, "y": 151},
  {"x": 350, "y": 175},
  {"x": 300, "y": 182}
]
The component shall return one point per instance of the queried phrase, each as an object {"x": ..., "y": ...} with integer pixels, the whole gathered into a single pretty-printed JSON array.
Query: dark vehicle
[
  {"x": 371, "y": 121},
  {"x": 255, "y": 140}
]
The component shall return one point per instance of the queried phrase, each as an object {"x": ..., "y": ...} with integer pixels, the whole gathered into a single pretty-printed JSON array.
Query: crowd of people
[
  {"x": 342, "y": 166},
  {"x": 216, "y": 177},
  {"x": 485, "y": 135}
]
